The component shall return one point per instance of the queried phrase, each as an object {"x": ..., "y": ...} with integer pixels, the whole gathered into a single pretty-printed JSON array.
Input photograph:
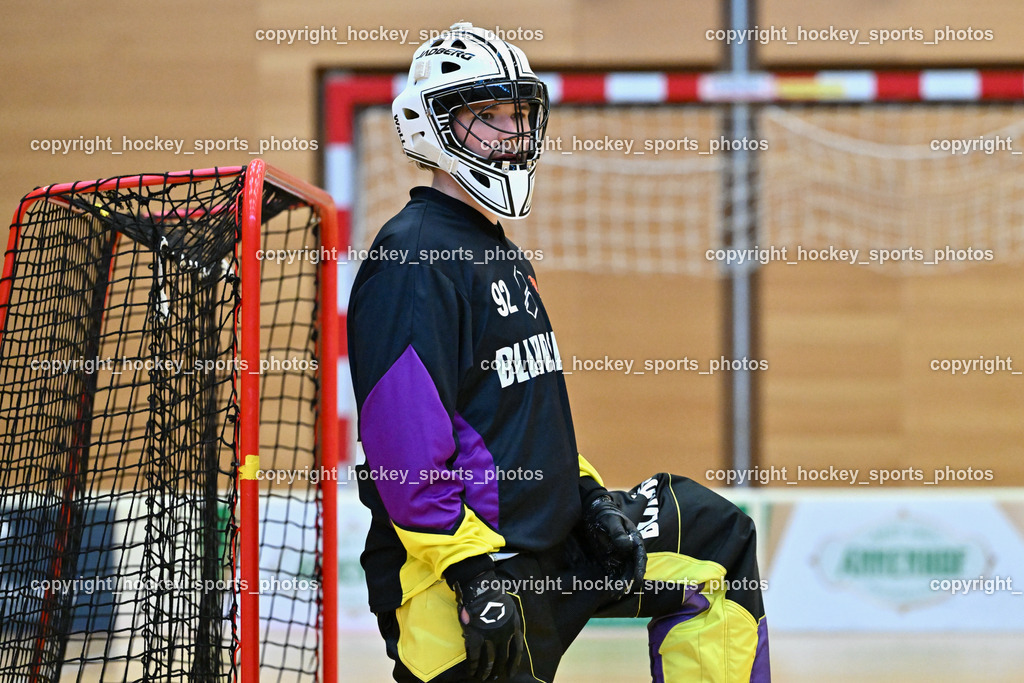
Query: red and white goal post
[
  {"x": 168, "y": 429},
  {"x": 859, "y": 159}
]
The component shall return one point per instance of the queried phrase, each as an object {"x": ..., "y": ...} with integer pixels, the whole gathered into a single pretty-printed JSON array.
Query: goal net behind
[{"x": 626, "y": 272}]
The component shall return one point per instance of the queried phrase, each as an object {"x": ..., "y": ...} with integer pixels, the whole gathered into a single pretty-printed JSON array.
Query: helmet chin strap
[{"x": 444, "y": 161}]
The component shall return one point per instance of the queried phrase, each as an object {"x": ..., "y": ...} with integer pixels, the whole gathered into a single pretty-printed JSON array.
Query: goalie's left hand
[{"x": 615, "y": 542}]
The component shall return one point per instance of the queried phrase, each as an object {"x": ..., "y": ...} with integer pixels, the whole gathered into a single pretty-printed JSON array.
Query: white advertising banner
[{"x": 885, "y": 564}]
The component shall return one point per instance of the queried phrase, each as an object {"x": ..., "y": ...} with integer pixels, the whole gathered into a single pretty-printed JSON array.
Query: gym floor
[{"x": 619, "y": 655}]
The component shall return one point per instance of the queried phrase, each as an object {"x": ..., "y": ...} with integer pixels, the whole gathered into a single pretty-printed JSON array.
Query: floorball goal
[{"x": 168, "y": 430}]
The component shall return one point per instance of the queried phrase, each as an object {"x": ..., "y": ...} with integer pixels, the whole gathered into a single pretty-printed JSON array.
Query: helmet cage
[{"x": 509, "y": 149}]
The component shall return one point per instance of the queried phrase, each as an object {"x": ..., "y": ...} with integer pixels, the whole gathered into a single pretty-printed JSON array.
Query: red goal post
[{"x": 249, "y": 438}]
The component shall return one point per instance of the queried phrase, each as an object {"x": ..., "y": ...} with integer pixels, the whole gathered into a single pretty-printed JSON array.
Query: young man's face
[{"x": 494, "y": 130}]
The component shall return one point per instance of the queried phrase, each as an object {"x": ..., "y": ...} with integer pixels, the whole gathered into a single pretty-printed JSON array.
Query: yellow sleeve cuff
[
  {"x": 588, "y": 470},
  {"x": 438, "y": 551}
]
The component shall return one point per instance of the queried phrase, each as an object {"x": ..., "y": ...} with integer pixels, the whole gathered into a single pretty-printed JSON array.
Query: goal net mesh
[
  {"x": 620, "y": 210},
  {"x": 882, "y": 177},
  {"x": 887, "y": 177},
  {"x": 118, "y": 435}
]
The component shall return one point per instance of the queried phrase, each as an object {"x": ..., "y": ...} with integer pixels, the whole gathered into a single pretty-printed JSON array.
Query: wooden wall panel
[
  {"x": 194, "y": 69},
  {"x": 851, "y": 385},
  {"x": 916, "y": 21},
  {"x": 631, "y": 426},
  {"x": 577, "y": 33}
]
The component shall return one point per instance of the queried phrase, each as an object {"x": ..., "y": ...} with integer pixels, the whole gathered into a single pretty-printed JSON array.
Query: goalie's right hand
[{"x": 491, "y": 627}]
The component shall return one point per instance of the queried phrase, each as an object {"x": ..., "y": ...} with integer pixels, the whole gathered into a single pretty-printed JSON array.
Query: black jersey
[{"x": 463, "y": 411}]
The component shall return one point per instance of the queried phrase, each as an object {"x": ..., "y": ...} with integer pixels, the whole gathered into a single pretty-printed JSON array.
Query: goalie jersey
[{"x": 463, "y": 411}]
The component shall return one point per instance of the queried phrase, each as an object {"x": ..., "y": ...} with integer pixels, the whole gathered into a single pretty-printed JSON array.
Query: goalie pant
[{"x": 702, "y": 592}]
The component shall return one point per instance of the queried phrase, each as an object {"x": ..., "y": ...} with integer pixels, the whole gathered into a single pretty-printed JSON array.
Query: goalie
[{"x": 492, "y": 540}]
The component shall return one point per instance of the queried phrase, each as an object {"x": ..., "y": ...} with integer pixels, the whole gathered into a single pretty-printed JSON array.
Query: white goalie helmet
[{"x": 453, "y": 81}]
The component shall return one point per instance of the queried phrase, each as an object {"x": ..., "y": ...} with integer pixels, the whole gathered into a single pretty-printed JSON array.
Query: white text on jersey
[{"x": 525, "y": 360}]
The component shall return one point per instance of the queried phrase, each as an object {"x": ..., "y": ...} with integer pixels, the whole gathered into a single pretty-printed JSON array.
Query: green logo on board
[{"x": 894, "y": 561}]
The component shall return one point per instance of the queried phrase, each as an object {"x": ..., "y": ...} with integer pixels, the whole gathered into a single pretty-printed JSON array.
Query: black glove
[
  {"x": 614, "y": 541},
  {"x": 490, "y": 625}
]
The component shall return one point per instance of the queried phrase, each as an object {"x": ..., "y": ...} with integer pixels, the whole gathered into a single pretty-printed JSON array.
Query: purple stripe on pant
[
  {"x": 761, "y": 671},
  {"x": 693, "y": 604}
]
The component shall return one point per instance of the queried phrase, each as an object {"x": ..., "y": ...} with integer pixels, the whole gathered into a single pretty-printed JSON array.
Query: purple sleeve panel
[
  {"x": 407, "y": 437},
  {"x": 481, "y": 474}
]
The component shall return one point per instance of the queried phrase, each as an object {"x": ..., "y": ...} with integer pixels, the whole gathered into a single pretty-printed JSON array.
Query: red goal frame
[{"x": 257, "y": 176}]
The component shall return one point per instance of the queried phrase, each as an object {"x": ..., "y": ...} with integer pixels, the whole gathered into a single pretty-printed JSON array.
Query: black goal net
[{"x": 121, "y": 306}]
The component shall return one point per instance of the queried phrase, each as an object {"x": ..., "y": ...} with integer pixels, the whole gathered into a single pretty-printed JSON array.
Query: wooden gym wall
[{"x": 195, "y": 70}]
